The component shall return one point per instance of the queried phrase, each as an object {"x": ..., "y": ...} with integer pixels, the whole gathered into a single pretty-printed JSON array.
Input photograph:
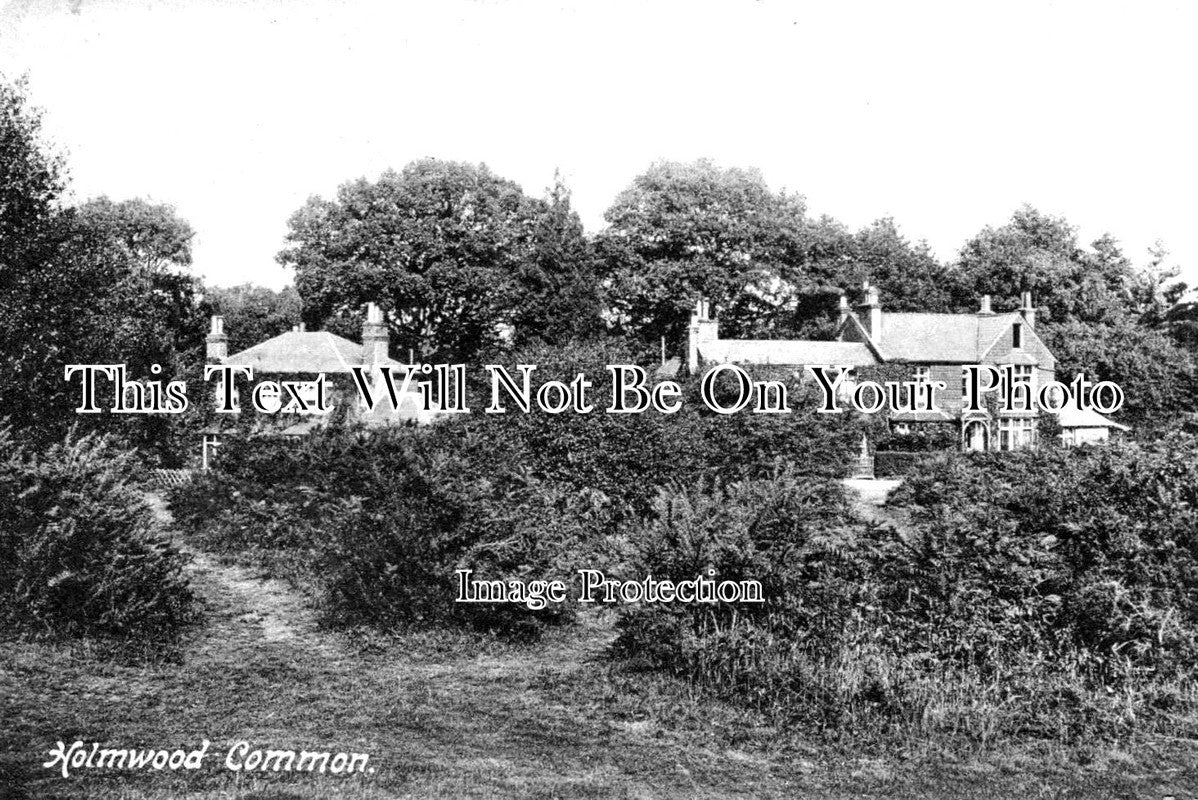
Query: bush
[
  {"x": 891, "y": 463},
  {"x": 1047, "y": 593},
  {"x": 79, "y": 550},
  {"x": 382, "y": 521}
]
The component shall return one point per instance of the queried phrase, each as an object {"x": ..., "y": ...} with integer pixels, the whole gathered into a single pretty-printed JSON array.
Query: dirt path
[
  {"x": 869, "y": 500},
  {"x": 243, "y": 609},
  {"x": 441, "y": 714}
]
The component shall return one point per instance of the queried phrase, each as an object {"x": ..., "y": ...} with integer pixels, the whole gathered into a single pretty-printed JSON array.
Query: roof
[
  {"x": 783, "y": 351},
  {"x": 956, "y": 338},
  {"x": 669, "y": 368},
  {"x": 922, "y": 416},
  {"x": 303, "y": 351},
  {"x": 1071, "y": 416}
]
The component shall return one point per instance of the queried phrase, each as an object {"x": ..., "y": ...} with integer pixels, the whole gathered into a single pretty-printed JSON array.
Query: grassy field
[{"x": 451, "y": 715}]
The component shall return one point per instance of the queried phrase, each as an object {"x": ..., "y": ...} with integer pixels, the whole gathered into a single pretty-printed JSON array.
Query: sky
[{"x": 945, "y": 116}]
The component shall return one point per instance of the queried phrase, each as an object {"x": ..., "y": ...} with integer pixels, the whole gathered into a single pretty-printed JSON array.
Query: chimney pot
[
  {"x": 1027, "y": 310},
  {"x": 985, "y": 307}
]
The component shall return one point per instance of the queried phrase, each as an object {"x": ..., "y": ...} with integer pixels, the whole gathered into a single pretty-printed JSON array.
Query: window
[
  {"x": 1017, "y": 336},
  {"x": 923, "y": 374},
  {"x": 1016, "y": 434},
  {"x": 1021, "y": 388}
]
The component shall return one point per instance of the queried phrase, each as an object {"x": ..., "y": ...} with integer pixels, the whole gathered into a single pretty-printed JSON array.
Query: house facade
[
  {"x": 299, "y": 354},
  {"x": 932, "y": 348}
]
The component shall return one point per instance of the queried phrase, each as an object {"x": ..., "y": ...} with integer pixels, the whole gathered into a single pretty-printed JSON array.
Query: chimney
[
  {"x": 217, "y": 349},
  {"x": 703, "y": 329},
  {"x": 375, "y": 337},
  {"x": 871, "y": 313},
  {"x": 1027, "y": 310},
  {"x": 984, "y": 310}
]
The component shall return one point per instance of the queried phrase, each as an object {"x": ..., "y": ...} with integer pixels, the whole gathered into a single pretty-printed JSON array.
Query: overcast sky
[{"x": 946, "y": 116}]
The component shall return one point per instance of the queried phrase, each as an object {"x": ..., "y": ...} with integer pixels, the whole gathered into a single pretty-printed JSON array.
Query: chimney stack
[
  {"x": 703, "y": 330},
  {"x": 985, "y": 308},
  {"x": 1028, "y": 310},
  {"x": 871, "y": 313},
  {"x": 217, "y": 343},
  {"x": 375, "y": 337}
]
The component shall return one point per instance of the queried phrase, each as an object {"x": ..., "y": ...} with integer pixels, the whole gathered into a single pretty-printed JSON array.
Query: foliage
[
  {"x": 31, "y": 178},
  {"x": 908, "y": 277},
  {"x": 449, "y": 250},
  {"x": 80, "y": 551},
  {"x": 1159, "y": 378},
  {"x": 252, "y": 313},
  {"x": 685, "y": 231},
  {"x": 1047, "y": 593},
  {"x": 1041, "y": 254},
  {"x": 98, "y": 284},
  {"x": 384, "y": 519}
]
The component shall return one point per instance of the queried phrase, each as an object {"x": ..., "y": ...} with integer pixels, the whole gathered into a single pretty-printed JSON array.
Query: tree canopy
[
  {"x": 452, "y": 253},
  {"x": 252, "y": 313}
]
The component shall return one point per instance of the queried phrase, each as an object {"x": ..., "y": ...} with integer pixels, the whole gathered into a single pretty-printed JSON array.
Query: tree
[
  {"x": 252, "y": 313},
  {"x": 1039, "y": 253},
  {"x": 440, "y": 246},
  {"x": 560, "y": 297},
  {"x": 1159, "y": 379},
  {"x": 152, "y": 237},
  {"x": 102, "y": 283},
  {"x": 908, "y": 277},
  {"x": 30, "y": 179},
  {"x": 685, "y": 231}
]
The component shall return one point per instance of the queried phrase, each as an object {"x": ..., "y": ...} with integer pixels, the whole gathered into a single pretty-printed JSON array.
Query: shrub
[
  {"x": 384, "y": 519},
  {"x": 891, "y": 463},
  {"x": 1049, "y": 593},
  {"x": 79, "y": 549}
]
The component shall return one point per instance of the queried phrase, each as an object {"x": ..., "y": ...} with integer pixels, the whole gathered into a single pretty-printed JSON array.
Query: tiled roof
[
  {"x": 785, "y": 352},
  {"x": 303, "y": 351},
  {"x": 957, "y": 338}
]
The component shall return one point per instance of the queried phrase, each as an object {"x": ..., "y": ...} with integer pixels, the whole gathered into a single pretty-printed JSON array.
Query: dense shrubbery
[
  {"x": 1092, "y": 552},
  {"x": 1047, "y": 593},
  {"x": 384, "y": 519},
  {"x": 79, "y": 552}
]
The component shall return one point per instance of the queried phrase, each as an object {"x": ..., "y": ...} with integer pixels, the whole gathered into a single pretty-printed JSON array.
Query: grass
[{"x": 453, "y": 715}]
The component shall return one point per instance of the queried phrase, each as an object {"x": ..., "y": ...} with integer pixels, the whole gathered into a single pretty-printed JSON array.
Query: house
[
  {"x": 934, "y": 347},
  {"x": 302, "y": 354}
]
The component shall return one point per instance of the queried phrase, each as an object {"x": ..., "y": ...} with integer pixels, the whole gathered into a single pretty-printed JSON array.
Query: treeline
[
  {"x": 466, "y": 264},
  {"x": 456, "y": 255}
]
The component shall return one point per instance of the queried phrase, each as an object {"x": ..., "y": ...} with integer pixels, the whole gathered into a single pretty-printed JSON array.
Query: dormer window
[{"x": 1017, "y": 336}]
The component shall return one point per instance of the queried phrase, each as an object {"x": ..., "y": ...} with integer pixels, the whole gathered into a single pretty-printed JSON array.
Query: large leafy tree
[
  {"x": 101, "y": 283},
  {"x": 252, "y": 313},
  {"x": 1041, "y": 253},
  {"x": 1159, "y": 378},
  {"x": 449, "y": 250},
  {"x": 683, "y": 231},
  {"x": 1099, "y": 314},
  {"x": 908, "y": 277},
  {"x": 559, "y": 300}
]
